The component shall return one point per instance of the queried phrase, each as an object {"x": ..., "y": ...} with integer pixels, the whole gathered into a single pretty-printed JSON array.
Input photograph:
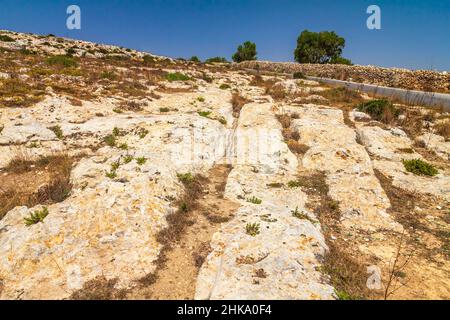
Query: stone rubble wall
[{"x": 423, "y": 80}]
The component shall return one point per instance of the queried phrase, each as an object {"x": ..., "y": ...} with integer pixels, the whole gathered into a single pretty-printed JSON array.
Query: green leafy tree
[
  {"x": 194, "y": 59},
  {"x": 320, "y": 47},
  {"x": 245, "y": 52}
]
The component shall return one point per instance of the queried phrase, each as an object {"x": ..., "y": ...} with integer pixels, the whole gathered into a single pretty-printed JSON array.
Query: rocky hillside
[{"x": 131, "y": 176}]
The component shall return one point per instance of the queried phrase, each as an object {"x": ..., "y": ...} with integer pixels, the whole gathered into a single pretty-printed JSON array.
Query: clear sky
[{"x": 415, "y": 33}]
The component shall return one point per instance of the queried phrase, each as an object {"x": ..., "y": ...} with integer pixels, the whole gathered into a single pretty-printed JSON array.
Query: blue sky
[{"x": 415, "y": 33}]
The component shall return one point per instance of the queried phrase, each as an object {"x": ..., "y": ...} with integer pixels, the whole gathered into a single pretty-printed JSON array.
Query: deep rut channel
[{"x": 176, "y": 277}]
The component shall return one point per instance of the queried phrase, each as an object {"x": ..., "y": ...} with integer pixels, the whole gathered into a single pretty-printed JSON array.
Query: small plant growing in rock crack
[
  {"x": 302, "y": 216},
  {"x": 36, "y": 217},
  {"x": 143, "y": 133},
  {"x": 294, "y": 184},
  {"x": 127, "y": 159},
  {"x": 224, "y": 86},
  {"x": 141, "y": 161},
  {"x": 222, "y": 120},
  {"x": 117, "y": 132},
  {"x": 420, "y": 167},
  {"x": 57, "y": 131},
  {"x": 112, "y": 174},
  {"x": 252, "y": 229},
  {"x": 110, "y": 140},
  {"x": 115, "y": 165},
  {"x": 184, "y": 207},
  {"x": 123, "y": 146},
  {"x": 205, "y": 114},
  {"x": 201, "y": 99},
  {"x": 164, "y": 110},
  {"x": 254, "y": 200},
  {"x": 185, "y": 178}
]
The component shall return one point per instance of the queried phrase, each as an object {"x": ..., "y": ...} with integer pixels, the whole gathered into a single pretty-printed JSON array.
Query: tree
[
  {"x": 245, "y": 52},
  {"x": 194, "y": 59},
  {"x": 320, "y": 47}
]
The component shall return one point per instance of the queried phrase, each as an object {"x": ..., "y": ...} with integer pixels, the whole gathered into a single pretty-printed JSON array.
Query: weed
[
  {"x": 222, "y": 120},
  {"x": 112, "y": 174},
  {"x": 205, "y": 114},
  {"x": 201, "y": 99},
  {"x": 224, "y": 86},
  {"x": 123, "y": 146},
  {"x": 127, "y": 159},
  {"x": 420, "y": 167},
  {"x": 164, "y": 110},
  {"x": 57, "y": 131},
  {"x": 302, "y": 216},
  {"x": 294, "y": 184},
  {"x": 299, "y": 75},
  {"x": 36, "y": 217},
  {"x": 380, "y": 110},
  {"x": 110, "y": 140},
  {"x": 252, "y": 229},
  {"x": 275, "y": 185},
  {"x": 141, "y": 161},
  {"x": 115, "y": 165},
  {"x": 171, "y": 77},
  {"x": 185, "y": 178},
  {"x": 142, "y": 133},
  {"x": 254, "y": 200}
]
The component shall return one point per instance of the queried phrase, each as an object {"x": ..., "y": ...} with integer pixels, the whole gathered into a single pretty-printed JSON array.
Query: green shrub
[
  {"x": 252, "y": 229},
  {"x": 123, "y": 146},
  {"x": 380, "y": 110},
  {"x": 299, "y": 75},
  {"x": 420, "y": 167},
  {"x": 177, "y": 77},
  {"x": 110, "y": 140},
  {"x": 149, "y": 59},
  {"x": 200, "y": 99},
  {"x": 194, "y": 59},
  {"x": 185, "y": 178},
  {"x": 62, "y": 61},
  {"x": 36, "y": 217},
  {"x": 254, "y": 200},
  {"x": 71, "y": 51},
  {"x": 6, "y": 38},
  {"x": 342, "y": 295},
  {"x": 164, "y": 110},
  {"x": 224, "y": 86},
  {"x": 57, "y": 131},
  {"x": 216, "y": 60}
]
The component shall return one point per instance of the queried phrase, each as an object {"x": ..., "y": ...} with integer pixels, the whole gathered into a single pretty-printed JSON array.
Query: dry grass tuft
[
  {"x": 57, "y": 186},
  {"x": 237, "y": 101},
  {"x": 99, "y": 288}
]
